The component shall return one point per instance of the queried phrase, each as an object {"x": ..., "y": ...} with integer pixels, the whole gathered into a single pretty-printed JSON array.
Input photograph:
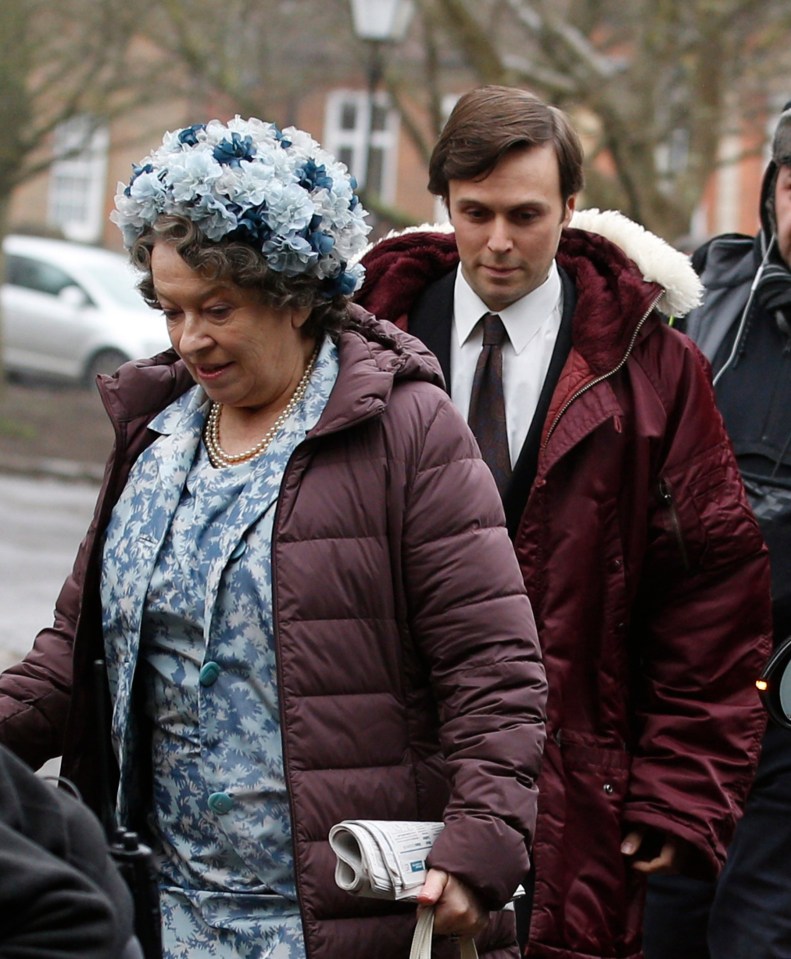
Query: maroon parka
[{"x": 649, "y": 581}]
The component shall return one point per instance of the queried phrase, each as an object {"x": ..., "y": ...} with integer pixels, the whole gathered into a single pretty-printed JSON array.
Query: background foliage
[{"x": 653, "y": 85}]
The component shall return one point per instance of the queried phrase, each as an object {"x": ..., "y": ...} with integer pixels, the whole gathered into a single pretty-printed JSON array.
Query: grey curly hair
[{"x": 242, "y": 265}]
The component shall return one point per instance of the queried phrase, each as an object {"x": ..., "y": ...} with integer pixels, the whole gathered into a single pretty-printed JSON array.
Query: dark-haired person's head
[
  {"x": 509, "y": 168},
  {"x": 491, "y": 121}
]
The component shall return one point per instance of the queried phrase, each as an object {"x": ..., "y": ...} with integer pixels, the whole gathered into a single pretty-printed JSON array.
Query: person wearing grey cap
[{"x": 744, "y": 328}]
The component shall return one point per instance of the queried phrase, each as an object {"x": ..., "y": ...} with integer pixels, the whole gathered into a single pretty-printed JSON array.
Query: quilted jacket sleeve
[
  {"x": 474, "y": 623},
  {"x": 706, "y": 631}
]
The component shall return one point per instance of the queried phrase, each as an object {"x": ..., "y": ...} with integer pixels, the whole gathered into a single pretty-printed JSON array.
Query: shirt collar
[{"x": 521, "y": 319}]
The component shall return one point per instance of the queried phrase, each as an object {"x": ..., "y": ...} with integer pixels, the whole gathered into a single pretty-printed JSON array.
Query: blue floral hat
[{"x": 277, "y": 190}]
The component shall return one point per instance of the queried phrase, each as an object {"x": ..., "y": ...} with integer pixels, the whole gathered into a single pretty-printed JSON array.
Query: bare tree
[
  {"x": 59, "y": 60},
  {"x": 653, "y": 84},
  {"x": 261, "y": 56}
]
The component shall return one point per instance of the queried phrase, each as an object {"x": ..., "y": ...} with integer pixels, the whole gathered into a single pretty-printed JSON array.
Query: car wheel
[{"x": 105, "y": 361}]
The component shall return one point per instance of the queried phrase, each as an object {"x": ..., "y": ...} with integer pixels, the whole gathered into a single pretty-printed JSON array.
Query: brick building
[{"x": 75, "y": 196}]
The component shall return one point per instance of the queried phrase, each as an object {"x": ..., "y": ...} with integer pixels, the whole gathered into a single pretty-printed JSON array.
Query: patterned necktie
[{"x": 487, "y": 403}]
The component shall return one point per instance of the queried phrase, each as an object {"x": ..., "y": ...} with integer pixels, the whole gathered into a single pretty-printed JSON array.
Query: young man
[
  {"x": 744, "y": 328},
  {"x": 645, "y": 566}
]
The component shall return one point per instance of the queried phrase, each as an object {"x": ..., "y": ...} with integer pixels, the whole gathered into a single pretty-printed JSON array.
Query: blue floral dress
[{"x": 187, "y": 614}]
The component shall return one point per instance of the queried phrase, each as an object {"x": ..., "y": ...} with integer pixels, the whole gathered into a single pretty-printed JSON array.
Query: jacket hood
[
  {"x": 374, "y": 356},
  {"x": 389, "y": 348},
  {"x": 656, "y": 261},
  {"x": 766, "y": 208},
  {"x": 620, "y": 272}
]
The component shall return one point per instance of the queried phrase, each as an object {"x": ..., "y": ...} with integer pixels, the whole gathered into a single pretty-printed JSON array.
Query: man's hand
[
  {"x": 655, "y": 853},
  {"x": 457, "y": 911}
]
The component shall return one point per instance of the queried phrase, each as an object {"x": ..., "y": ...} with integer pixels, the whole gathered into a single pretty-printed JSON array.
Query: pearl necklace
[{"x": 211, "y": 433}]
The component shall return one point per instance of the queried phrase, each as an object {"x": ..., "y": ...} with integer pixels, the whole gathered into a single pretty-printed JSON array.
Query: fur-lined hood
[
  {"x": 621, "y": 274},
  {"x": 657, "y": 261}
]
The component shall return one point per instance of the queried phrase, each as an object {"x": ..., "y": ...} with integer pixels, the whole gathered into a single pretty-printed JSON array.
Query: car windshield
[{"x": 119, "y": 279}]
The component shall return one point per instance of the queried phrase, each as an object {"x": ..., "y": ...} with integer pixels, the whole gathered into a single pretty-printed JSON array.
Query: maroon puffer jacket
[
  {"x": 403, "y": 633},
  {"x": 649, "y": 581}
]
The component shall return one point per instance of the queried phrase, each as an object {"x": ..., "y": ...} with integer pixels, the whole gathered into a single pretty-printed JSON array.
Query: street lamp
[
  {"x": 382, "y": 20},
  {"x": 377, "y": 22}
]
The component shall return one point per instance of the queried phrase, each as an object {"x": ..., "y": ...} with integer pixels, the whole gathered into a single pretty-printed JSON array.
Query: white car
[{"x": 71, "y": 311}]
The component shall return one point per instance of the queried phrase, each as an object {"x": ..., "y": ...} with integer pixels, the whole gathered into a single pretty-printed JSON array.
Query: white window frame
[
  {"x": 78, "y": 178},
  {"x": 355, "y": 140},
  {"x": 672, "y": 157}
]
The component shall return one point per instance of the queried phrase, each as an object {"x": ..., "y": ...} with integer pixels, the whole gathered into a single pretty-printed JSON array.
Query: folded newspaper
[{"x": 384, "y": 859}]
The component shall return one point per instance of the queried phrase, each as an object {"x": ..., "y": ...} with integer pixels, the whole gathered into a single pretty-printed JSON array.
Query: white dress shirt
[{"x": 532, "y": 325}]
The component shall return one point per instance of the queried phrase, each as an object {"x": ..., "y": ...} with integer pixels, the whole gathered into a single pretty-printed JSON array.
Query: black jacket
[
  {"x": 750, "y": 352},
  {"x": 60, "y": 894}
]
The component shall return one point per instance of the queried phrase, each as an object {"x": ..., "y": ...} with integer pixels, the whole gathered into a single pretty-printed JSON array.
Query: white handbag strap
[{"x": 421, "y": 941}]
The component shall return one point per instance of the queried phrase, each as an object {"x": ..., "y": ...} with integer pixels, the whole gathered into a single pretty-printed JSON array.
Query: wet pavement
[{"x": 42, "y": 521}]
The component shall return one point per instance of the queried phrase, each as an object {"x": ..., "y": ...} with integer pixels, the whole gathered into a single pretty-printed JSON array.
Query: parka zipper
[
  {"x": 604, "y": 376},
  {"x": 666, "y": 495}
]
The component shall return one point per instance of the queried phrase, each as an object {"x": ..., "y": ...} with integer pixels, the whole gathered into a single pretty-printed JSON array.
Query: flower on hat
[{"x": 277, "y": 190}]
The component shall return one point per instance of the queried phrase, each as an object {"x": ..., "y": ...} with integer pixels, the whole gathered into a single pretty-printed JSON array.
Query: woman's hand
[{"x": 457, "y": 911}]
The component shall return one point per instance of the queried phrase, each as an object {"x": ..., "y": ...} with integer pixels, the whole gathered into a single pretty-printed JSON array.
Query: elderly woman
[{"x": 297, "y": 576}]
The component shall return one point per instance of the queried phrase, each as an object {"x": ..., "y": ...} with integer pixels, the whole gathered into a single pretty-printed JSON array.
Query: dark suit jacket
[{"x": 431, "y": 321}]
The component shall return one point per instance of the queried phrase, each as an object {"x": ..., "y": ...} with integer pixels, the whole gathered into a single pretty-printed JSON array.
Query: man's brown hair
[{"x": 487, "y": 123}]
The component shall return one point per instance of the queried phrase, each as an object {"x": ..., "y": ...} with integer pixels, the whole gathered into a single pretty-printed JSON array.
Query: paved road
[{"x": 41, "y": 524}]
